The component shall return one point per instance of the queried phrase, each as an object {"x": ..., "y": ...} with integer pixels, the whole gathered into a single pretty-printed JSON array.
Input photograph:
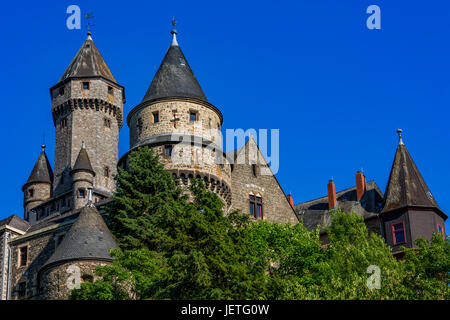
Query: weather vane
[
  {"x": 88, "y": 17},
  {"x": 174, "y": 22}
]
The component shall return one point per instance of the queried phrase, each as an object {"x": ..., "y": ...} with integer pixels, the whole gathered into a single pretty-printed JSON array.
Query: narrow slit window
[
  {"x": 155, "y": 117},
  {"x": 193, "y": 116},
  {"x": 168, "y": 151},
  {"x": 23, "y": 256}
]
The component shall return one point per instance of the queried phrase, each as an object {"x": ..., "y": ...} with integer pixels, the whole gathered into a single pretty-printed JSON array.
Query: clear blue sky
[{"x": 336, "y": 90}]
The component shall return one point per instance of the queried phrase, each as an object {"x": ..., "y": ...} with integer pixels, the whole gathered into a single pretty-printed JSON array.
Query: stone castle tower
[
  {"x": 87, "y": 109},
  {"x": 176, "y": 119},
  {"x": 87, "y": 106}
]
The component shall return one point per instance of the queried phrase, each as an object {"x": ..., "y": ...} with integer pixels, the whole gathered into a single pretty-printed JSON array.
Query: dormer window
[
  {"x": 85, "y": 85},
  {"x": 398, "y": 233}
]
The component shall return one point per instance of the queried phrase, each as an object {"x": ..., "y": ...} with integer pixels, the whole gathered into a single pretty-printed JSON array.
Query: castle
[{"x": 62, "y": 236}]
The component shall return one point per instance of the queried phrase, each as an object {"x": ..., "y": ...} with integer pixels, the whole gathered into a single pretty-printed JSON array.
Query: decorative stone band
[
  {"x": 97, "y": 104},
  {"x": 212, "y": 182},
  {"x": 169, "y": 99}
]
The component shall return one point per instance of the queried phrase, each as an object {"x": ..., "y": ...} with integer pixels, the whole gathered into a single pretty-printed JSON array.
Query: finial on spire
[
  {"x": 400, "y": 141},
  {"x": 43, "y": 142},
  {"x": 88, "y": 17},
  {"x": 174, "y": 33}
]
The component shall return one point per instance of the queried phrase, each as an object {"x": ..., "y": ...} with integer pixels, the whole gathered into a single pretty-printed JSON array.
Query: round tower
[
  {"x": 38, "y": 187},
  {"x": 86, "y": 246},
  {"x": 176, "y": 119},
  {"x": 82, "y": 178}
]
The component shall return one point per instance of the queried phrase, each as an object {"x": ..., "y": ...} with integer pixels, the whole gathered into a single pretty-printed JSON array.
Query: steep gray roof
[
  {"x": 88, "y": 62},
  {"x": 174, "y": 78},
  {"x": 405, "y": 186},
  {"x": 42, "y": 170},
  {"x": 88, "y": 239},
  {"x": 316, "y": 211},
  {"x": 15, "y": 222},
  {"x": 83, "y": 162}
]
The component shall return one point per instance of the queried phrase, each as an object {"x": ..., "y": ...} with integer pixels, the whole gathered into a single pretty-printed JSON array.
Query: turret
[
  {"x": 82, "y": 178},
  {"x": 176, "y": 119},
  {"x": 409, "y": 211},
  {"x": 86, "y": 246},
  {"x": 87, "y": 105},
  {"x": 38, "y": 187}
]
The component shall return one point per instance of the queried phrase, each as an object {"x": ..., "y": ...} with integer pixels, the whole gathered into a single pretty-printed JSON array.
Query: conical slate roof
[
  {"x": 405, "y": 186},
  {"x": 88, "y": 62},
  {"x": 88, "y": 239},
  {"x": 83, "y": 162},
  {"x": 174, "y": 77},
  {"x": 42, "y": 171}
]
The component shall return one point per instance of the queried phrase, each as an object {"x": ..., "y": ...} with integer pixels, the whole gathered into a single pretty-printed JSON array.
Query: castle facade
[{"x": 62, "y": 235}]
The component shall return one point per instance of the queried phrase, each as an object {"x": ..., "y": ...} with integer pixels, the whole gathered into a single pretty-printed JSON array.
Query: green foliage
[{"x": 178, "y": 245}]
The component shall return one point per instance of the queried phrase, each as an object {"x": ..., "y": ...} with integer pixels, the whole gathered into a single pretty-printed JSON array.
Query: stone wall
[
  {"x": 93, "y": 116},
  {"x": 57, "y": 282},
  {"x": 41, "y": 193},
  {"x": 41, "y": 245},
  {"x": 140, "y": 120}
]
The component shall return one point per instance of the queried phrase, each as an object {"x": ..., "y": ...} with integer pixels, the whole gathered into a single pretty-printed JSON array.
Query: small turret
[
  {"x": 82, "y": 178},
  {"x": 38, "y": 187},
  {"x": 409, "y": 210}
]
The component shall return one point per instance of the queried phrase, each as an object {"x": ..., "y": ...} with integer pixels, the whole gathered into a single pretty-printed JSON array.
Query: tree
[
  {"x": 172, "y": 248},
  {"x": 175, "y": 244}
]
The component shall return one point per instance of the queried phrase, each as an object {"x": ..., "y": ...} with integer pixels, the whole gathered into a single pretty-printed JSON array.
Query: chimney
[
  {"x": 331, "y": 194},
  {"x": 291, "y": 200},
  {"x": 360, "y": 185}
]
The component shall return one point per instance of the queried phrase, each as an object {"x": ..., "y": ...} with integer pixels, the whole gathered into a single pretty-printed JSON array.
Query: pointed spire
[
  {"x": 83, "y": 163},
  {"x": 88, "y": 62},
  {"x": 42, "y": 171},
  {"x": 406, "y": 186},
  {"x": 88, "y": 239},
  {"x": 174, "y": 77}
]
